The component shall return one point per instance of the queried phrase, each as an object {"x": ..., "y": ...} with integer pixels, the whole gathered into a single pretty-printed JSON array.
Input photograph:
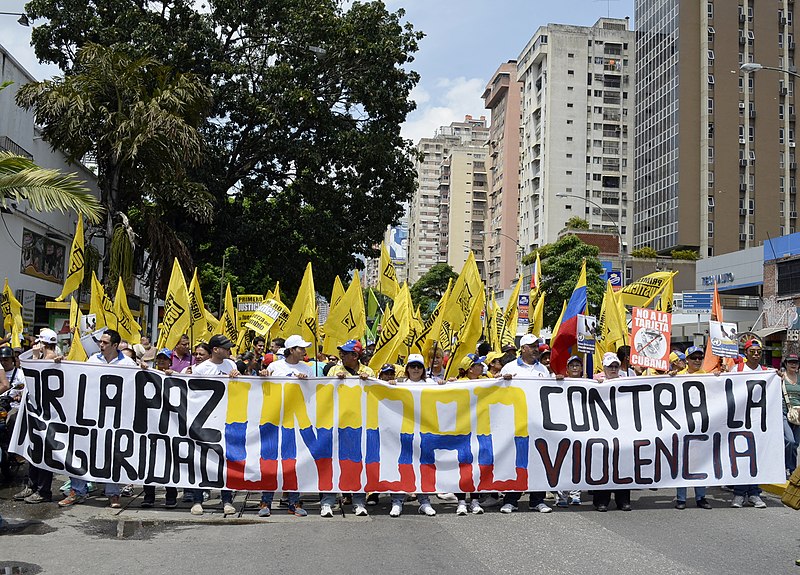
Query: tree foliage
[
  {"x": 561, "y": 266},
  {"x": 303, "y": 153},
  {"x": 690, "y": 255},
  {"x": 577, "y": 223},
  {"x": 428, "y": 289},
  {"x": 644, "y": 252}
]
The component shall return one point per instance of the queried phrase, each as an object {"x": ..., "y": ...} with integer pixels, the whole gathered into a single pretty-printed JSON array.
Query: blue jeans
[
  {"x": 400, "y": 498},
  {"x": 699, "y": 493},
  {"x": 791, "y": 440},
  {"x": 330, "y": 499},
  {"x": 267, "y": 496},
  {"x": 513, "y": 497},
  {"x": 746, "y": 490},
  {"x": 225, "y": 494},
  {"x": 81, "y": 487}
]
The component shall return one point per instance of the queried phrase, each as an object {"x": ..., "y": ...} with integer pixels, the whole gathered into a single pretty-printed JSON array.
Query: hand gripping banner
[{"x": 128, "y": 425}]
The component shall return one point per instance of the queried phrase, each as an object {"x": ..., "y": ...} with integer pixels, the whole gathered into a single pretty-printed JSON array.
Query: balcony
[{"x": 9, "y": 145}]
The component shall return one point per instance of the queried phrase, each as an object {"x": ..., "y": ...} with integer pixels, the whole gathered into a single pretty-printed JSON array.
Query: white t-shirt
[
  {"x": 15, "y": 377},
  {"x": 521, "y": 369},
  {"x": 208, "y": 367},
  {"x": 744, "y": 367},
  {"x": 282, "y": 368},
  {"x": 121, "y": 359}
]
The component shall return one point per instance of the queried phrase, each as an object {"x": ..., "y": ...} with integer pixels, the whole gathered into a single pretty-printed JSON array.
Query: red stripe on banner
[
  {"x": 488, "y": 483},
  {"x": 350, "y": 475},
  {"x": 325, "y": 474},
  {"x": 427, "y": 473},
  {"x": 236, "y": 481},
  {"x": 465, "y": 482},
  {"x": 289, "y": 474},
  {"x": 405, "y": 485}
]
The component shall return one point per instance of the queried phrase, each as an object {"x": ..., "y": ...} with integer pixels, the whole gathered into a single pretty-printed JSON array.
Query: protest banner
[
  {"x": 246, "y": 306},
  {"x": 724, "y": 339},
  {"x": 587, "y": 332},
  {"x": 650, "y": 334},
  {"x": 129, "y": 425}
]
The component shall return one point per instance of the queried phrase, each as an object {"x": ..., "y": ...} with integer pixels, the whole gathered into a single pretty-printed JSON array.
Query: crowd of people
[{"x": 290, "y": 358}]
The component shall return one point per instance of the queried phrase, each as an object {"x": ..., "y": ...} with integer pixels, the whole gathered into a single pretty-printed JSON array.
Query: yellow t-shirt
[{"x": 362, "y": 370}]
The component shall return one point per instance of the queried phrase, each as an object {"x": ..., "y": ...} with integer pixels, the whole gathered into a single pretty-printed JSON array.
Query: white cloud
[{"x": 453, "y": 98}]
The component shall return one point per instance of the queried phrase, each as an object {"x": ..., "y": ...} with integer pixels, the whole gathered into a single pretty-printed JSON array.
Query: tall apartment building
[
  {"x": 715, "y": 148},
  {"x": 503, "y": 97},
  {"x": 577, "y": 129},
  {"x": 425, "y": 210}
]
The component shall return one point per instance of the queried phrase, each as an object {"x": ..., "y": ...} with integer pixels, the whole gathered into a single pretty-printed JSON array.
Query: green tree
[
  {"x": 644, "y": 252},
  {"x": 139, "y": 119},
  {"x": 561, "y": 266},
  {"x": 304, "y": 154},
  {"x": 690, "y": 255},
  {"x": 577, "y": 223},
  {"x": 428, "y": 289}
]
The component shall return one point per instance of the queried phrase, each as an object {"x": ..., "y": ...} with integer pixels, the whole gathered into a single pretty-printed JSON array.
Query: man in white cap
[
  {"x": 45, "y": 346},
  {"x": 292, "y": 365},
  {"x": 527, "y": 364}
]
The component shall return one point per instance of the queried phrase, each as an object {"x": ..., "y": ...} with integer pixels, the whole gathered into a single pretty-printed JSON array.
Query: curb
[{"x": 775, "y": 488}]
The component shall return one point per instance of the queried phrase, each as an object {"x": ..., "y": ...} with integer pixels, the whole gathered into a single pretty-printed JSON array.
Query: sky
[{"x": 465, "y": 42}]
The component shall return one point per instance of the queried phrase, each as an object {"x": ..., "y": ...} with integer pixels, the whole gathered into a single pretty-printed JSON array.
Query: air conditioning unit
[
  {"x": 741, "y": 105},
  {"x": 742, "y": 237},
  {"x": 792, "y": 214},
  {"x": 742, "y": 140},
  {"x": 792, "y": 144},
  {"x": 742, "y": 162},
  {"x": 742, "y": 211}
]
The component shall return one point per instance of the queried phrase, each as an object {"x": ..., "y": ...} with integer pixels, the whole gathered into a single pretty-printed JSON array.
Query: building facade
[
  {"x": 577, "y": 130},
  {"x": 715, "y": 150},
  {"x": 426, "y": 210},
  {"x": 503, "y": 97}
]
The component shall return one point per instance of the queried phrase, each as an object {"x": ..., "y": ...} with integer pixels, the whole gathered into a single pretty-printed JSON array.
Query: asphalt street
[{"x": 654, "y": 538}]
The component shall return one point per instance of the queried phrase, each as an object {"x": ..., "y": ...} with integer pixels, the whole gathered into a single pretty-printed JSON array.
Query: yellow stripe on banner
[
  {"x": 324, "y": 399},
  {"x": 270, "y": 403},
  {"x": 377, "y": 393},
  {"x": 429, "y": 414},
  {"x": 238, "y": 392},
  {"x": 350, "y": 406},
  {"x": 294, "y": 406},
  {"x": 513, "y": 396}
]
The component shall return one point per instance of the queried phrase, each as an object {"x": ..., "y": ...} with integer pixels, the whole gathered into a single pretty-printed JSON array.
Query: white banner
[{"x": 128, "y": 425}]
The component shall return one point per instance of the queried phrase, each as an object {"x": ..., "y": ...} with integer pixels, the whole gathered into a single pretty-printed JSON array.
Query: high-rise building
[
  {"x": 715, "y": 148},
  {"x": 577, "y": 130},
  {"x": 503, "y": 95},
  {"x": 425, "y": 226}
]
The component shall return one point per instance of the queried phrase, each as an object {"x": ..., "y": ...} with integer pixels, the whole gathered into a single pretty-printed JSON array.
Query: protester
[
  {"x": 164, "y": 361},
  {"x": 509, "y": 353},
  {"x": 388, "y": 373},
  {"x": 544, "y": 358},
  {"x": 602, "y": 497},
  {"x": 472, "y": 367},
  {"x": 248, "y": 364},
  {"x": 181, "y": 356},
  {"x": 437, "y": 370},
  {"x": 564, "y": 499},
  {"x": 791, "y": 396},
  {"x": 45, "y": 346},
  {"x": 694, "y": 361},
  {"x": 494, "y": 361}
]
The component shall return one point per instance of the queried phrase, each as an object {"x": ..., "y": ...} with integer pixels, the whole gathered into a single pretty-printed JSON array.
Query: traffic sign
[{"x": 696, "y": 301}]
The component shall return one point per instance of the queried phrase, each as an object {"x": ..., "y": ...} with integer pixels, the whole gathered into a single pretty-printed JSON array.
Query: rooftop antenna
[{"x": 608, "y": 6}]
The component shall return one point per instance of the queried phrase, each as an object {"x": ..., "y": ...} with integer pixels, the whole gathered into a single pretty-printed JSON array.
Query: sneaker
[
  {"x": 27, "y": 492},
  {"x": 325, "y": 510},
  {"x": 36, "y": 498},
  {"x": 738, "y": 501},
  {"x": 397, "y": 509},
  {"x": 147, "y": 503},
  {"x": 508, "y": 508},
  {"x": 542, "y": 508},
  {"x": 264, "y": 510},
  {"x": 360, "y": 511},
  {"x": 372, "y": 498},
  {"x": 126, "y": 491},
  {"x": 206, "y": 495},
  {"x": 680, "y": 505},
  {"x": 550, "y": 496},
  {"x": 703, "y": 503},
  {"x": 448, "y": 497},
  {"x": 601, "y": 508},
  {"x": 756, "y": 502},
  {"x": 187, "y": 497},
  {"x": 113, "y": 502},
  {"x": 574, "y": 500},
  {"x": 462, "y": 508},
  {"x": 297, "y": 510},
  {"x": 490, "y": 501},
  {"x": 65, "y": 488},
  {"x": 228, "y": 509},
  {"x": 91, "y": 487},
  {"x": 171, "y": 503},
  {"x": 562, "y": 503},
  {"x": 475, "y": 507},
  {"x": 197, "y": 509},
  {"x": 426, "y": 509}
]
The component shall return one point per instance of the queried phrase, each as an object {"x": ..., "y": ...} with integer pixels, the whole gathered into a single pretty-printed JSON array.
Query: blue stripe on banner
[
  {"x": 321, "y": 445},
  {"x": 485, "y": 451},
  {"x": 522, "y": 444},
  {"x": 373, "y": 446},
  {"x": 350, "y": 444},
  {"x": 288, "y": 443},
  {"x": 406, "y": 449},
  {"x": 269, "y": 441},
  {"x": 431, "y": 441},
  {"x": 235, "y": 441}
]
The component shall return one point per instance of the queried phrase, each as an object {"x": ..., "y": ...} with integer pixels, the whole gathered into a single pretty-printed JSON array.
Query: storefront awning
[{"x": 768, "y": 331}]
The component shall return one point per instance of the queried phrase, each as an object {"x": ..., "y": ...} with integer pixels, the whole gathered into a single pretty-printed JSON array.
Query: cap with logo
[
  {"x": 415, "y": 358},
  {"x": 693, "y": 350},
  {"x": 610, "y": 358},
  {"x": 752, "y": 343},
  {"x": 165, "y": 352},
  {"x": 351, "y": 345}
]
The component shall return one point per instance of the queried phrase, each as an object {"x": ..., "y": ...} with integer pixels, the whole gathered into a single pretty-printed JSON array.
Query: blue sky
[{"x": 466, "y": 40}]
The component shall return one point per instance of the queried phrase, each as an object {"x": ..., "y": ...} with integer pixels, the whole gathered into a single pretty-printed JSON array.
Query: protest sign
[
  {"x": 650, "y": 334},
  {"x": 724, "y": 339},
  {"x": 129, "y": 425},
  {"x": 587, "y": 331}
]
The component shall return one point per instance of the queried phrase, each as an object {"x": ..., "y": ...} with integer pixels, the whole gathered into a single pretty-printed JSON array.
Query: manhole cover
[{"x": 18, "y": 568}]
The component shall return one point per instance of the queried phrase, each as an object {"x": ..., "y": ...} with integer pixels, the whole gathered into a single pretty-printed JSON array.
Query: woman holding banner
[{"x": 791, "y": 395}]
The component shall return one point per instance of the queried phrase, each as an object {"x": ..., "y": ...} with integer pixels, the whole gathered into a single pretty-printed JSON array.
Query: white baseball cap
[
  {"x": 295, "y": 341},
  {"x": 528, "y": 339},
  {"x": 416, "y": 358},
  {"x": 610, "y": 358},
  {"x": 47, "y": 335}
]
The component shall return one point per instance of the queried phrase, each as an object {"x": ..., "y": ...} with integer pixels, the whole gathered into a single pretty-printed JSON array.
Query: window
[
  {"x": 711, "y": 79},
  {"x": 710, "y": 9},
  {"x": 710, "y": 55},
  {"x": 710, "y": 229}
]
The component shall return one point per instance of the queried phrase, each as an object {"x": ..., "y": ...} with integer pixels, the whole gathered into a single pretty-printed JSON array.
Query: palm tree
[{"x": 44, "y": 189}]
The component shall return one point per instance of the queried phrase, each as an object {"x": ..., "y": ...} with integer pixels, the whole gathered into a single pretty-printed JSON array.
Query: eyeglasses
[{"x": 696, "y": 357}]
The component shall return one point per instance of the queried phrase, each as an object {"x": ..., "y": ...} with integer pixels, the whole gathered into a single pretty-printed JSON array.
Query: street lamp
[
  {"x": 23, "y": 19},
  {"x": 610, "y": 219},
  {"x": 518, "y": 251},
  {"x": 749, "y": 67}
]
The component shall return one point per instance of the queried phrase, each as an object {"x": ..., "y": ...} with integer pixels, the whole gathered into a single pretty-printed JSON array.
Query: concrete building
[
  {"x": 503, "y": 97},
  {"x": 715, "y": 150},
  {"x": 425, "y": 209},
  {"x": 577, "y": 130}
]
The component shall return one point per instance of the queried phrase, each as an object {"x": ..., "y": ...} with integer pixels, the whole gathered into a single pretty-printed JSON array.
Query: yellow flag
[
  {"x": 415, "y": 325},
  {"x": 276, "y": 293},
  {"x": 337, "y": 294},
  {"x": 643, "y": 291},
  {"x": 467, "y": 287},
  {"x": 303, "y": 317},
  {"x": 74, "y": 314},
  {"x": 101, "y": 305},
  {"x": 432, "y": 327},
  {"x": 511, "y": 314},
  {"x": 76, "y": 351},
  {"x": 498, "y": 326},
  {"x": 612, "y": 328},
  {"x": 665, "y": 301},
  {"x": 176, "y": 309},
  {"x": 227, "y": 321},
  {"x": 537, "y": 321},
  {"x": 267, "y": 314},
  {"x": 466, "y": 340},
  {"x": 387, "y": 277},
  {"x": 390, "y": 346},
  {"x": 212, "y": 325},
  {"x": 127, "y": 326},
  {"x": 347, "y": 319},
  {"x": 197, "y": 317},
  {"x": 12, "y": 315},
  {"x": 76, "y": 263}
]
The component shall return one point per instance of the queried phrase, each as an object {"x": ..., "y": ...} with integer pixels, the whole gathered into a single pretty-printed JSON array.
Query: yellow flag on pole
[
  {"x": 511, "y": 314},
  {"x": 227, "y": 321},
  {"x": 74, "y": 314},
  {"x": 390, "y": 347},
  {"x": 176, "y": 309},
  {"x": 537, "y": 320},
  {"x": 466, "y": 340},
  {"x": 77, "y": 263},
  {"x": 337, "y": 294},
  {"x": 197, "y": 316},
  {"x": 643, "y": 291},
  {"x": 665, "y": 300},
  {"x": 387, "y": 277},
  {"x": 127, "y": 326},
  {"x": 347, "y": 320},
  {"x": 76, "y": 350},
  {"x": 101, "y": 306},
  {"x": 12, "y": 315},
  {"x": 430, "y": 333},
  {"x": 467, "y": 287},
  {"x": 303, "y": 317}
]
